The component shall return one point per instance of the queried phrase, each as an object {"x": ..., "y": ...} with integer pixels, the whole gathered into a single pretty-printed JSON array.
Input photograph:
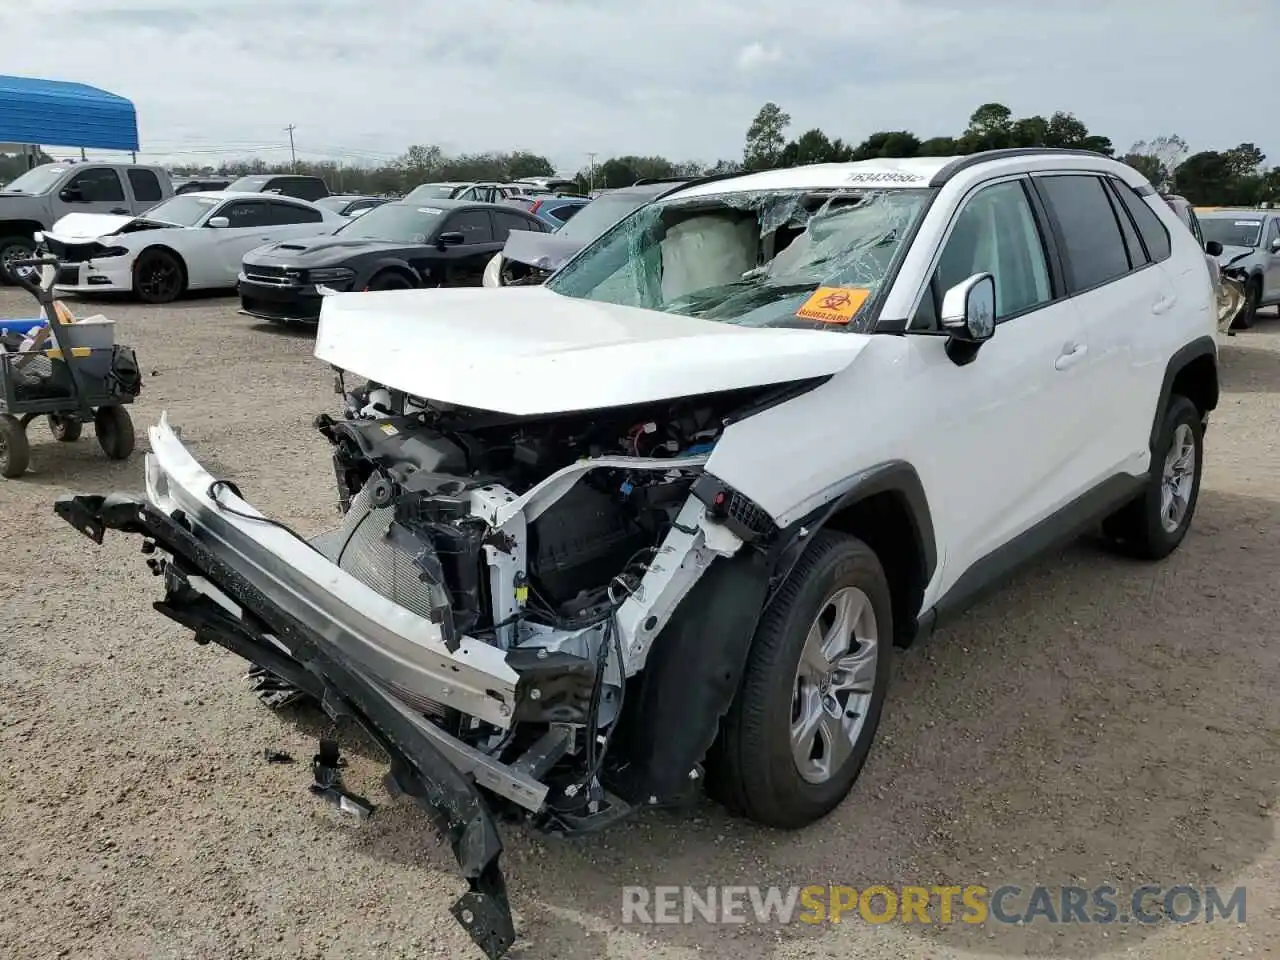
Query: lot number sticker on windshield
[{"x": 833, "y": 304}]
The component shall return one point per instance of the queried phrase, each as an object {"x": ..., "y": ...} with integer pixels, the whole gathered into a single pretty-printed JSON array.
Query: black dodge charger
[{"x": 442, "y": 243}]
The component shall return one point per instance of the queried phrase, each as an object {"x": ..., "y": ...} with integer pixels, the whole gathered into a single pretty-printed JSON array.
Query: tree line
[{"x": 1235, "y": 176}]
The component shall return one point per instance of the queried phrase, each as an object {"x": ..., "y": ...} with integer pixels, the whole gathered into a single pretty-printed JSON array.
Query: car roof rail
[{"x": 983, "y": 156}]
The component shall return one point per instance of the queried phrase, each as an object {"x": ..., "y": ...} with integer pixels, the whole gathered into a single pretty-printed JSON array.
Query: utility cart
[{"x": 67, "y": 371}]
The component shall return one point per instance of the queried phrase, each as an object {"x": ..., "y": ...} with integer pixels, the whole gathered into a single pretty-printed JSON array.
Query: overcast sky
[{"x": 363, "y": 79}]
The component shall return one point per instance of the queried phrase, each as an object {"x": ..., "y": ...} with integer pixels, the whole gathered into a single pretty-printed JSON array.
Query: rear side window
[
  {"x": 566, "y": 212},
  {"x": 145, "y": 184},
  {"x": 1092, "y": 244},
  {"x": 284, "y": 213},
  {"x": 504, "y": 223},
  {"x": 1154, "y": 235},
  {"x": 303, "y": 188}
]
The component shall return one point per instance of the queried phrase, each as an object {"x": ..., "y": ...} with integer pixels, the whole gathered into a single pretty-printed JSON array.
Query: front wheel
[
  {"x": 389, "y": 281},
  {"x": 114, "y": 427},
  {"x": 64, "y": 429},
  {"x": 1151, "y": 526},
  {"x": 806, "y": 713},
  {"x": 158, "y": 277},
  {"x": 13, "y": 249},
  {"x": 1249, "y": 311}
]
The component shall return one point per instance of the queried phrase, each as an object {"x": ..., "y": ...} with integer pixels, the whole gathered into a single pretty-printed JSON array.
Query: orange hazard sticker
[{"x": 833, "y": 304}]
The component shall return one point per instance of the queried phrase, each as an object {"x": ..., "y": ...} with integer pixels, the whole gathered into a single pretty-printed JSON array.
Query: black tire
[
  {"x": 114, "y": 427},
  {"x": 158, "y": 277},
  {"x": 1138, "y": 528},
  {"x": 14, "y": 248},
  {"x": 15, "y": 452},
  {"x": 390, "y": 280},
  {"x": 64, "y": 429},
  {"x": 1249, "y": 312},
  {"x": 753, "y": 770}
]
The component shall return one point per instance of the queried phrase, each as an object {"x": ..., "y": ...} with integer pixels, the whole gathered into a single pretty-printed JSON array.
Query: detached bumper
[{"x": 243, "y": 582}]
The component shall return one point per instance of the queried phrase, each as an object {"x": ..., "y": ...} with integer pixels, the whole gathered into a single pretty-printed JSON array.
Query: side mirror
[
  {"x": 71, "y": 195},
  {"x": 1275, "y": 245},
  {"x": 969, "y": 317},
  {"x": 218, "y": 223},
  {"x": 1213, "y": 248},
  {"x": 450, "y": 239},
  {"x": 969, "y": 309}
]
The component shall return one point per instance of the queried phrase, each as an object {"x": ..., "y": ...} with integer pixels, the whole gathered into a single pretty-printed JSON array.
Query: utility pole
[
  {"x": 293, "y": 154},
  {"x": 591, "y": 173}
]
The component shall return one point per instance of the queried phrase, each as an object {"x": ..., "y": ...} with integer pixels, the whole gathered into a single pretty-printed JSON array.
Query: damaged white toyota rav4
[{"x": 660, "y": 521}]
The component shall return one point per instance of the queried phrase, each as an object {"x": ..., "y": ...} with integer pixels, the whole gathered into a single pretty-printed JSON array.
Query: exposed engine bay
[
  {"x": 540, "y": 616},
  {"x": 529, "y": 534}
]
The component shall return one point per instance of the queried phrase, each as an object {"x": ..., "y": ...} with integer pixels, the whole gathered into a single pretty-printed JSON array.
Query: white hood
[
  {"x": 527, "y": 350},
  {"x": 87, "y": 226}
]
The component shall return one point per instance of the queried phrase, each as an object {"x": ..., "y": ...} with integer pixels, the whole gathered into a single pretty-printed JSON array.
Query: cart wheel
[
  {"x": 115, "y": 431},
  {"x": 65, "y": 429},
  {"x": 15, "y": 453}
]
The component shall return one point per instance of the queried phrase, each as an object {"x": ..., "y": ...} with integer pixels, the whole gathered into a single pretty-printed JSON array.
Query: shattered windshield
[{"x": 797, "y": 258}]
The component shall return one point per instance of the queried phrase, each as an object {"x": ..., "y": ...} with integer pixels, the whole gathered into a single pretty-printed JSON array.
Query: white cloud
[
  {"x": 363, "y": 79},
  {"x": 755, "y": 55}
]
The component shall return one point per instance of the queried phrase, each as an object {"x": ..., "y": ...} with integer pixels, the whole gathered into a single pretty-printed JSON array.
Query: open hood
[
  {"x": 528, "y": 351},
  {"x": 546, "y": 251},
  {"x": 87, "y": 226}
]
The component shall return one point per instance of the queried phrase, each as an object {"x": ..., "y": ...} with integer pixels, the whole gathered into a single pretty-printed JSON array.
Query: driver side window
[{"x": 995, "y": 233}]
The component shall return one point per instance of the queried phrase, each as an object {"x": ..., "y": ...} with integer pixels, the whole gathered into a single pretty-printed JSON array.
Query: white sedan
[{"x": 194, "y": 241}]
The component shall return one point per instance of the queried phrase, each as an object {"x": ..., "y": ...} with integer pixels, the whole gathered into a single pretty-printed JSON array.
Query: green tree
[
  {"x": 766, "y": 138},
  {"x": 1244, "y": 160},
  {"x": 1205, "y": 178},
  {"x": 523, "y": 164},
  {"x": 939, "y": 147}
]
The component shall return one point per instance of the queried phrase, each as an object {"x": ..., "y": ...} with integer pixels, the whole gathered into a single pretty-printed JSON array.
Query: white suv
[{"x": 756, "y": 434}]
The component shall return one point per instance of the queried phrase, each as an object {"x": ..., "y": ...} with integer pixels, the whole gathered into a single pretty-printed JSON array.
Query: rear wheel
[
  {"x": 158, "y": 277},
  {"x": 65, "y": 429},
  {"x": 1151, "y": 526},
  {"x": 114, "y": 427},
  {"x": 15, "y": 452},
  {"x": 389, "y": 281},
  {"x": 804, "y": 718}
]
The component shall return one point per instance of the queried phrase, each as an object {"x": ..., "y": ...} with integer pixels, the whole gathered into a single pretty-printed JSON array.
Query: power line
[{"x": 292, "y": 152}]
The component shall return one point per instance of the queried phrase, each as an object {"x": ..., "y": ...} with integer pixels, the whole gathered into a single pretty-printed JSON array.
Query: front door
[
  {"x": 465, "y": 263},
  {"x": 1008, "y": 423},
  {"x": 92, "y": 190},
  {"x": 1271, "y": 257},
  {"x": 250, "y": 227}
]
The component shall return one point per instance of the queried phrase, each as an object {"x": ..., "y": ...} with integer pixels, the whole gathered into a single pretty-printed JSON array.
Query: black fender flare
[
  {"x": 892, "y": 476},
  {"x": 1204, "y": 346},
  {"x": 370, "y": 271}
]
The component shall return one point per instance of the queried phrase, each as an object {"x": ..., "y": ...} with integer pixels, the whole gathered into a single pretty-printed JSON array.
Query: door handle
[
  {"x": 1072, "y": 353},
  {"x": 1164, "y": 304}
]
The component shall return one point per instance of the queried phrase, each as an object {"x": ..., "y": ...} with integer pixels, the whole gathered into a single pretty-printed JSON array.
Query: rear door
[
  {"x": 1121, "y": 296},
  {"x": 1027, "y": 382},
  {"x": 465, "y": 263},
  {"x": 145, "y": 187}
]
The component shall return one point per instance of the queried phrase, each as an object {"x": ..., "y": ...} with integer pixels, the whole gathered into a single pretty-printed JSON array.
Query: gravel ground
[{"x": 1099, "y": 721}]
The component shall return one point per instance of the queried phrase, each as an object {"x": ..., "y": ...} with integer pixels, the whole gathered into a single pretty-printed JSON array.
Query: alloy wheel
[
  {"x": 833, "y": 685},
  {"x": 1177, "y": 478}
]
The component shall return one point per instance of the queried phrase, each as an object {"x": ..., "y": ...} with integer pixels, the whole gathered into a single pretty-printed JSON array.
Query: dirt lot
[{"x": 1099, "y": 721}]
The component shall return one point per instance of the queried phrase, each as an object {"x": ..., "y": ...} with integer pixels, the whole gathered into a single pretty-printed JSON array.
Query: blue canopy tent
[{"x": 60, "y": 114}]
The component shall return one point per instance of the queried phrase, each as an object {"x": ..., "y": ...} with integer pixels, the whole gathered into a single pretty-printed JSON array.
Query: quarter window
[
  {"x": 995, "y": 233},
  {"x": 1093, "y": 246},
  {"x": 504, "y": 223},
  {"x": 1154, "y": 234}
]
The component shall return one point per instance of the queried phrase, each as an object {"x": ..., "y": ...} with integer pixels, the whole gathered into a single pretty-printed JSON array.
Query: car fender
[
  {"x": 370, "y": 270},
  {"x": 1189, "y": 353}
]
